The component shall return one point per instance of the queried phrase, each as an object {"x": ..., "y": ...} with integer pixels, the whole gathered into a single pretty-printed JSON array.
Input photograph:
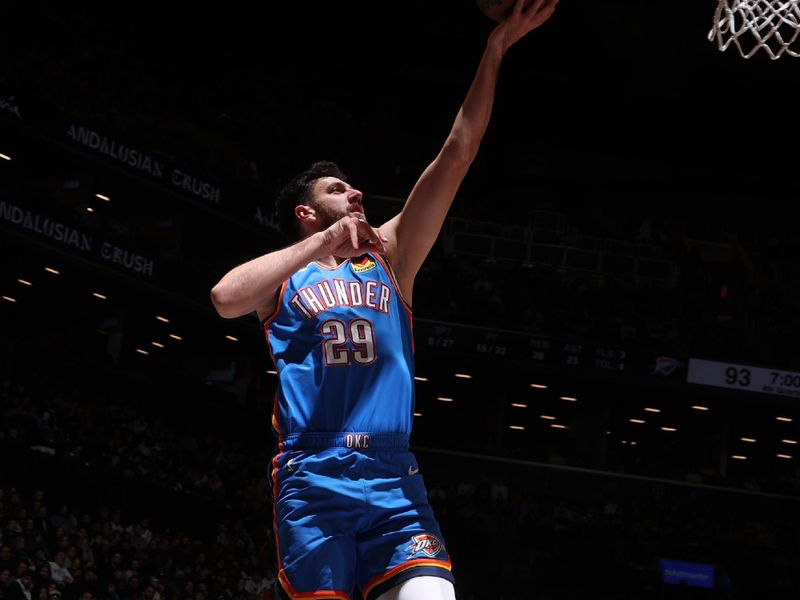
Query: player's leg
[
  {"x": 400, "y": 539},
  {"x": 314, "y": 523},
  {"x": 421, "y": 588}
]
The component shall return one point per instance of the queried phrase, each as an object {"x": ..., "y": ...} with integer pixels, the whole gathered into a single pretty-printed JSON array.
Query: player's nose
[{"x": 355, "y": 196}]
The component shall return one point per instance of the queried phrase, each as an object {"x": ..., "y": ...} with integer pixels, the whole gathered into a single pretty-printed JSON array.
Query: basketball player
[{"x": 350, "y": 507}]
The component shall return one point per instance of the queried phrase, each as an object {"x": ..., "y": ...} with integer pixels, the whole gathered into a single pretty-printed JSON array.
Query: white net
[{"x": 771, "y": 25}]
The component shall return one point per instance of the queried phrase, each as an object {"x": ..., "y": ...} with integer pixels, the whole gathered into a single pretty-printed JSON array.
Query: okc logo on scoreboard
[
  {"x": 426, "y": 544},
  {"x": 665, "y": 365},
  {"x": 362, "y": 264}
]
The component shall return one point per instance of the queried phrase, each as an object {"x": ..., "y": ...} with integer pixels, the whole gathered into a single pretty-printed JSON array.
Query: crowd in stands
[
  {"x": 69, "y": 419},
  {"x": 52, "y": 550}
]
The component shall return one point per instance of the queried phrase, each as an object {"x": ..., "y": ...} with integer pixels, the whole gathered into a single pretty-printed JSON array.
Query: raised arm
[{"x": 414, "y": 230}]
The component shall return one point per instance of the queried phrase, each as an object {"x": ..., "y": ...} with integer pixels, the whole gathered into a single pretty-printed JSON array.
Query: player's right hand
[
  {"x": 523, "y": 18},
  {"x": 352, "y": 236}
]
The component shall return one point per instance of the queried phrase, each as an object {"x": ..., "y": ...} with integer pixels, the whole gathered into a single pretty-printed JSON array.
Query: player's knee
[{"x": 425, "y": 587}]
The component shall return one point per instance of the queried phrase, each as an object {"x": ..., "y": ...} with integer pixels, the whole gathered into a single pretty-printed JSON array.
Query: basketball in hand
[{"x": 497, "y": 10}]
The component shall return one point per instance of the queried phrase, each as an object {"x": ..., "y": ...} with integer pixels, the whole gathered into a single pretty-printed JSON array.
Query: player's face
[{"x": 334, "y": 199}]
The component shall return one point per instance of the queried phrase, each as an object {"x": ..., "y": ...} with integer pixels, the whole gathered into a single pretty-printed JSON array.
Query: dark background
[{"x": 610, "y": 116}]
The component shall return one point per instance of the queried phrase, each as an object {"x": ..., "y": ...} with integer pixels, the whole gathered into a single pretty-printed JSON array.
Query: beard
[{"x": 328, "y": 216}]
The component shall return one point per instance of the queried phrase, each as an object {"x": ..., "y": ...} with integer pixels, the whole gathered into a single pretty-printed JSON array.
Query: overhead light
[
  {"x": 738, "y": 457},
  {"x": 652, "y": 410},
  {"x": 416, "y": 378},
  {"x": 784, "y": 419},
  {"x": 668, "y": 429},
  {"x": 634, "y": 443},
  {"x": 102, "y": 197},
  {"x": 89, "y": 209},
  {"x": 557, "y": 426},
  {"x": 538, "y": 386},
  {"x": 547, "y": 417},
  {"x": 784, "y": 455},
  {"x": 639, "y": 421},
  {"x": 750, "y": 440},
  {"x": 789, "y": 441},
  {"x": 443, "y": 399},
  {"x": 51, "y": 270},
  {"x": 231, "y": 338},
  {"x": 162, "y": 319},
  {"x": 569, "y": 398},
  {"x": 698, "y": 407},
  {"x": 175, "y": 337},
  {"x": 99, "y": 295},
  {"x": 24, "y": 282},
  {"x": 417, "y": 414},
  {"x": 157, "y": 344},
  {"x": 518, "y": 405},
  {"x": 463, "y": 376},
  {"x": 271, "y": 372},
  {"x": 5, "y": 157},
  {"x": 517, "y": 427},
  {"x": 9, "y": 299},
  {"x": 140, "y": 351}
]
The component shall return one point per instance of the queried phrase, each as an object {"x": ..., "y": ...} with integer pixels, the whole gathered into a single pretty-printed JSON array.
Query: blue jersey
[{"x": 342, "y": 342}]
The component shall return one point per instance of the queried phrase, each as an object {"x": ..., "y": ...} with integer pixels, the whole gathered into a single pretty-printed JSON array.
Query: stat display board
[{"x": 537, "y": 350}]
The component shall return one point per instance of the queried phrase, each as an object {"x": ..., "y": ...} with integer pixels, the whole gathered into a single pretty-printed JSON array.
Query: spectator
[
  {"x": 6, "y": 559},
  {"x": 5, "y": 582},
  {"x": 42, "y": 580},
  {"x": 60, "y": 574},
  {"x": 64, "y": 519},
  {"x": 22, "y": 587}
]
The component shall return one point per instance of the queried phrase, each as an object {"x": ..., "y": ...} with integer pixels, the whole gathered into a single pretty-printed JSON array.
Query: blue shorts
[{"x": 352, "y": 511}]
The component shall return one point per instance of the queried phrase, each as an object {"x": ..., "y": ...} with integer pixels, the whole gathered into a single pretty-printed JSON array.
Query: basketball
[{"x": 497, "y": 10}]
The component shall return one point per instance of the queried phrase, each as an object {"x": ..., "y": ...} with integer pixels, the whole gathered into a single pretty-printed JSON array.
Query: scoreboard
[{"x": 746, "y": 378}]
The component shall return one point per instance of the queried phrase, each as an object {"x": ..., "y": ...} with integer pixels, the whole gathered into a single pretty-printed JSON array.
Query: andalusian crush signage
[
  {"x": 55, "y": 230},
  {"x": 147, "y": 163}
]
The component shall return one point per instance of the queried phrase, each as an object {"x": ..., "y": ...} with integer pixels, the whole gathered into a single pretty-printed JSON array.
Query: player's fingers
[
  {"x": 372, "y": 234},
  {"x": 517, "y": 9},
  {"x": 377, "y": 239},
  {"x": 534, "y": 7},
  {"x": 539, "y": 7},
  {"x": 538, "y": 17},
  {"x": 353, "y": 234}
]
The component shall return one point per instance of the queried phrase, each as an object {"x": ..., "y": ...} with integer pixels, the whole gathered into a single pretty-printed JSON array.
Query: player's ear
[{"x": 304, "y": 213}]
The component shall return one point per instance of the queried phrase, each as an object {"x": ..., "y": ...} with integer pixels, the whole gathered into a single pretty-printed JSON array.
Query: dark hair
[{"x": 298, "y": 191}]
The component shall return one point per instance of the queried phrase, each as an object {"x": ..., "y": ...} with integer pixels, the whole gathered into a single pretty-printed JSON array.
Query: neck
[{"x": 331, "y": 261}]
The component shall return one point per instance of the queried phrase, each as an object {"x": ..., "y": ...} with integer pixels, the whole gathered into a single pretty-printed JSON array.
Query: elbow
[
  {"x": 222, "y": 303},
  {"x": 459, "y": 151}
]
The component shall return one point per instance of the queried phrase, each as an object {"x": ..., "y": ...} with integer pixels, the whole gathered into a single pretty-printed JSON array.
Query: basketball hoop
[{"x": 773, "y": 25}]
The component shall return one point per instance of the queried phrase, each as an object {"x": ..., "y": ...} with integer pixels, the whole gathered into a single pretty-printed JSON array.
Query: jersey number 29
[{"x": 361, "y": 333}]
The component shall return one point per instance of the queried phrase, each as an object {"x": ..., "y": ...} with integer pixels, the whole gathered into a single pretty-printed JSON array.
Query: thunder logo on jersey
[
  {"x": 342, "y": 341},
  {"x": 312, "y": 300}
]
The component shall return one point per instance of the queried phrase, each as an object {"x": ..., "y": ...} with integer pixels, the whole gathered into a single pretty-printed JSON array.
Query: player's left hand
[
  {"x": 522, "y": 21},
  {"x": 351, "y": 236}
]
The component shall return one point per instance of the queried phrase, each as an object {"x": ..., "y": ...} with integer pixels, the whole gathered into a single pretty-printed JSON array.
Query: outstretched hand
[{"x": 521, "y": 21}]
